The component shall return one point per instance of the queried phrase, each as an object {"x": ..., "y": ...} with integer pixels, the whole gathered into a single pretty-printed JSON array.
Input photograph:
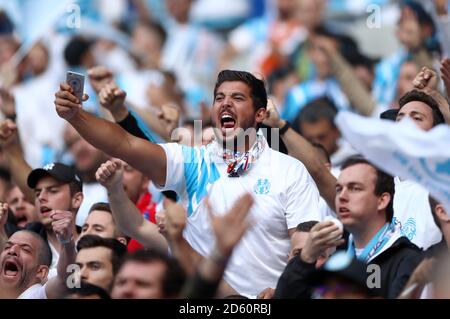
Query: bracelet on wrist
[
  {"x": 284, "y": 128},
  {"x": 65, "y": 242}
]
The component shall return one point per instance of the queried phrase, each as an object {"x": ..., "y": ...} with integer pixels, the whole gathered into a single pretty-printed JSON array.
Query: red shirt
[{"x": 148, "y": 209}]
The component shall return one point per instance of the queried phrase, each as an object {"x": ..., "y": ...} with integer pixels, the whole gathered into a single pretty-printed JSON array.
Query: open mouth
[
  {"x": 343, "y": 212},
  {"x": 45, "y": 210},
  {"x": 227, "y": 122},
  {"x": 22, "y": 221},
  {"x": 10, "y": 269}
]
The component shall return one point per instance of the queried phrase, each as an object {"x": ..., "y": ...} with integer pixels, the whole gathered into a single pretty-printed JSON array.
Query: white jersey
[
  {"x": 285, "y": 195},
  {"x": 37, "y": 291},
  {"x": 412, "y": 212}
]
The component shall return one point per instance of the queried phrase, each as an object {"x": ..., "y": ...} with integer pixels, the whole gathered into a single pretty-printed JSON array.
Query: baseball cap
[
  {"x": 390, "y": 114},
  {"x": 58, "y": 171}
]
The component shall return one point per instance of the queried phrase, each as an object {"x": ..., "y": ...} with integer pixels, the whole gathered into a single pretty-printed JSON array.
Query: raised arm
[
  {"x": 162, "y": 123},
  {"x": 62, "y": 225},
  {"x": 299, "y": 148},
  {"x": 109, "y": 137},
  {"x": 175, "y": 222},
  {"x": 359, "y": 96},
  {"x": 19, "y": 168},
  {"x": 126, "y": 215}
]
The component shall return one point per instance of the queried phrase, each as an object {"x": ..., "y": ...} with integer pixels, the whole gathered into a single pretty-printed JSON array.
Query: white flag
[{"x": 401, "y": 149}]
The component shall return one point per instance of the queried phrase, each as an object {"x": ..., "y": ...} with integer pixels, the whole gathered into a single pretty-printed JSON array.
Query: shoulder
[
  {"x": 403, "y": 248},
  {"x": 286, "y": 165},
  {"x": 36, "y": 291}
]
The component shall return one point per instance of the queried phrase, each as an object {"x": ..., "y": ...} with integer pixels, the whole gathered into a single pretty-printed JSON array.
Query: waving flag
[{"x": 403, "y": 150}]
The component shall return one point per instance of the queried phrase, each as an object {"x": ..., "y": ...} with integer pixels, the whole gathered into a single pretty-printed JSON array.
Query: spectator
[
  {"x": 364, "y": 204},
  {"x": 148, "y": 274},
  {"x": 323, "y": 83},
  {"x": 24, "y": 211},
  {"x": 58, "y": 190},
  {"x": 411, "y": 206},
  {"x": 240, "y": 100},
  {"x": 99, "y": 260},
  {"x": 299, "y": 240},
  {"x": 26, "y": 258},
  {"x": 319, "y": 239},
  {"x": 316, "y": 123},
  {"x": 415, "y": 27},
  {"x": 100, "y": 222}
]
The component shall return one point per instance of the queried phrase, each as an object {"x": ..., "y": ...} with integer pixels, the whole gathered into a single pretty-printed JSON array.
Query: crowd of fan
[{"x": 124, "y": 194}]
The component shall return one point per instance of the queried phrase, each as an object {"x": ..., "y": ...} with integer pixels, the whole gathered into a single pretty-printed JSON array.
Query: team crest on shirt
[
  {"x": 409, "y": 228},
  {"x": 262, "y": 186}
]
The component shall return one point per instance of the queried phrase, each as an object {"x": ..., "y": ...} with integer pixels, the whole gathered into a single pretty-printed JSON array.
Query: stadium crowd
[{"x": 206, "y": 155}]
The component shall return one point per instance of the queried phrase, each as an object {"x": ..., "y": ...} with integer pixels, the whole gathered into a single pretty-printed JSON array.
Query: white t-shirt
[
  {"x": 412, "y": 212},
  {"x": 37, "y": 291},
  {"x": 285, "y": 195}
]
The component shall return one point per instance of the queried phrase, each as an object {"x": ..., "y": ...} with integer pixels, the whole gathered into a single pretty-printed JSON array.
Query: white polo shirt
[{"x": 285, "y": 195}]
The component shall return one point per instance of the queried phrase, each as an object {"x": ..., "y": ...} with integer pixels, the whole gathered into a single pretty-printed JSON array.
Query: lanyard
[{"x": 375, "y": 244}]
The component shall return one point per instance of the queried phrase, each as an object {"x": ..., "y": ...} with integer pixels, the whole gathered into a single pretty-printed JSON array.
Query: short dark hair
[
  {"x": 86, "y": 289},
  {"x": 118, "y": 250},
  {"x": 174, "y": 276},
  {"x": 257, "y": 87},
  {"x": 384, "y": 183},
  {"x": 316, "y": 110},
  {"x": 416, "y": 95},
  {"x": 44, "y": 253},
  {"x": 433, "y": 203},
  {"x": 74, "y": 188},
  {"x": 104, "y": 207},
  {"x": 75, "y": 49},
  {"x": 306, "y": 226}
]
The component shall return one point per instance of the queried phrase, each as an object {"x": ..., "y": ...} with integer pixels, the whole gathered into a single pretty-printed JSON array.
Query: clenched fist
[
  {"x": 62, "y": 225},
  {"x": 112, "y": 98},
  {"x": 110, "y": 173}
]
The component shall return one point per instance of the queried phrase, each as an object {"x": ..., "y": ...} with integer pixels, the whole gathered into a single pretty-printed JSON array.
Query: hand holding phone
[{"x": 76, "y": 82}]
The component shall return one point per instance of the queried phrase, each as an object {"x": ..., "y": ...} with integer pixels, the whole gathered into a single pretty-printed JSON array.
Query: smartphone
[{"x": 76, "y": 81}]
